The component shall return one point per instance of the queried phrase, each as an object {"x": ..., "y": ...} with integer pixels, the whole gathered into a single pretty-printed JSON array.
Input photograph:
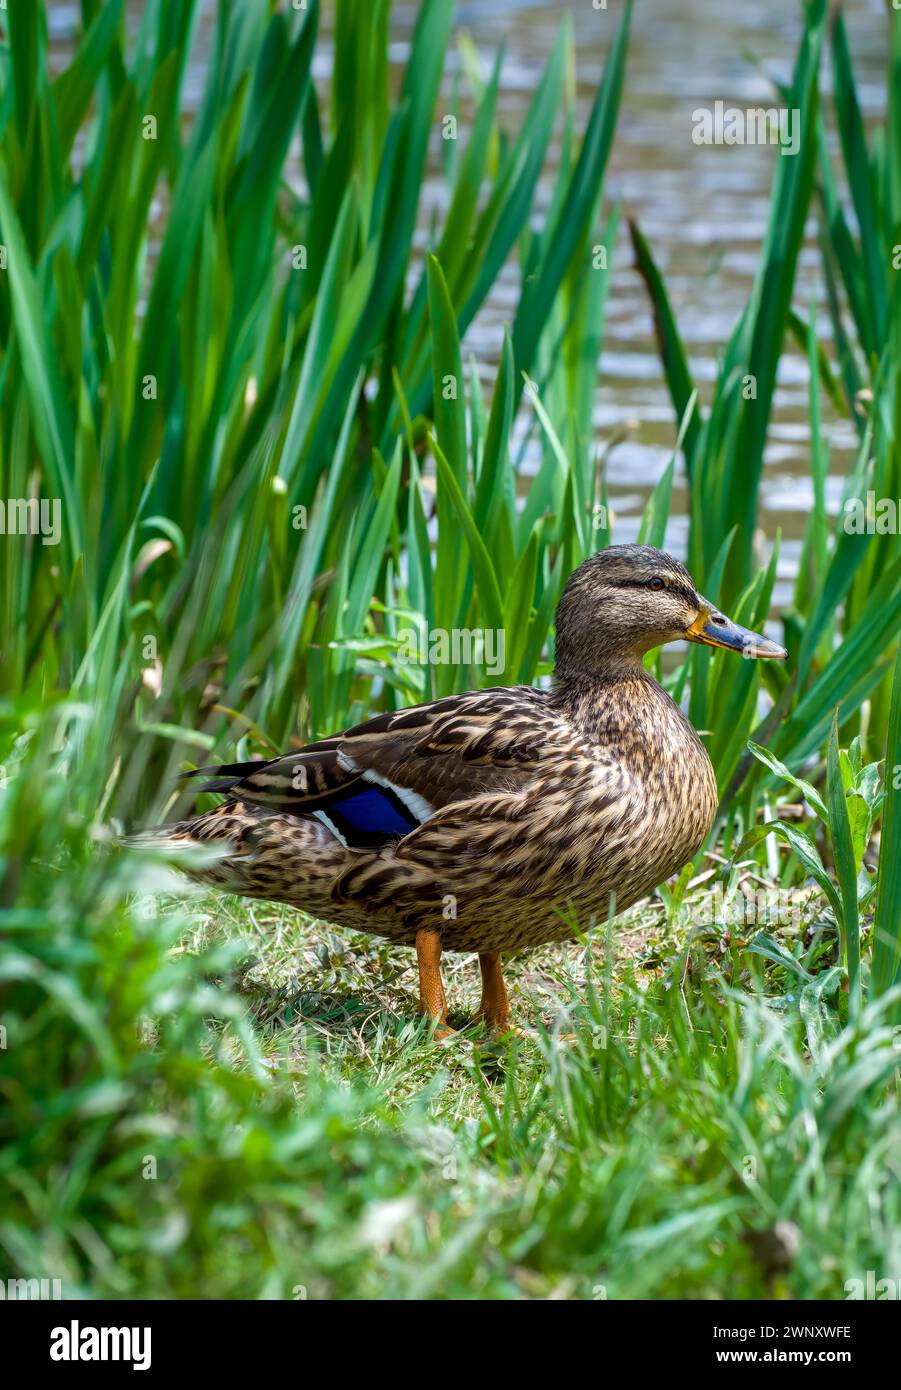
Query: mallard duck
[{"x": 488, "y": 821}]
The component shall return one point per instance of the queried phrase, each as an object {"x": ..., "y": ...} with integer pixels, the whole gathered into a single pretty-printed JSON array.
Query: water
[
  {"x": 702, "y": 208},
  {"x": 704, "y": 211}
]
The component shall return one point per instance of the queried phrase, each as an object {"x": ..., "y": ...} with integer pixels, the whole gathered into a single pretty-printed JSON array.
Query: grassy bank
[{"x": 204, "y": 1099}]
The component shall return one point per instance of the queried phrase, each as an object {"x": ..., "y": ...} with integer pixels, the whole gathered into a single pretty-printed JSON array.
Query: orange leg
[
  {"x": 431, "y": 989},
  {"x": 495, "y": 1009}
]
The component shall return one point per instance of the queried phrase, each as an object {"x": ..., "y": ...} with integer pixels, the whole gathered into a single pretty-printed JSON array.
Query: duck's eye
[{"x": 656, "y": 583}]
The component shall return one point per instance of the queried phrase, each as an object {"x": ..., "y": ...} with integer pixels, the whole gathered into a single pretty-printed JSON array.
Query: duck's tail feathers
[
  {"x": 176, "y": 841},
  {"x": 225, "y": 776}
]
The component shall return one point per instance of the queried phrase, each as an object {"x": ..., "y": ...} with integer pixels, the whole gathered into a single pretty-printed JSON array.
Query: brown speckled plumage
[{"x": 536, "y": 806}]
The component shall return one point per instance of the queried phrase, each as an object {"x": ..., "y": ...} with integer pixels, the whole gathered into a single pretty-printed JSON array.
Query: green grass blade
[
  {"x": 846, "y": 869},
  {"x": 483, "y": 570},
  {"x": 886, "y": 968},
  {"x": 561, "y": 239},
  {"x": 50, "y": 411}
]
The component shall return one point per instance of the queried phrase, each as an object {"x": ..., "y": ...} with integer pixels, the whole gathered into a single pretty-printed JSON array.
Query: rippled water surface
[{"x": 703, "y": 209}]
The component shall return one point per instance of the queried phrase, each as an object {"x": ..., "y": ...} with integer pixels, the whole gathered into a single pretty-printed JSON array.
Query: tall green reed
[{"x": 237, "y": 420}]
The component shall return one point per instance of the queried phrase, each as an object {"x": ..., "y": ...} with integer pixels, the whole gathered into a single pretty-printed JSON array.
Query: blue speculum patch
[{"x": 375, "y": 811}]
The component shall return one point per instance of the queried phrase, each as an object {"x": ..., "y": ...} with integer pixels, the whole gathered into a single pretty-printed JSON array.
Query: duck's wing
[{"x": 382, "y": 779}]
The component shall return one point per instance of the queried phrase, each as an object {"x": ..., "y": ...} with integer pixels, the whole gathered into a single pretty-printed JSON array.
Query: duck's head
[{"x": 629, "y": 598}]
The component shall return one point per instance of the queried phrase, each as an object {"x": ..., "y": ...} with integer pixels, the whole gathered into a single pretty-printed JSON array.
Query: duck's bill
[{"x": 715, "y": 630}]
